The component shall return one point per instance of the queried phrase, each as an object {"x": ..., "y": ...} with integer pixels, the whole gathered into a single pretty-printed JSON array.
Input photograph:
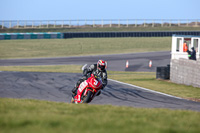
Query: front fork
[
  {"x": 86, "y": 91},
  {"x": 78, "y": 97}
]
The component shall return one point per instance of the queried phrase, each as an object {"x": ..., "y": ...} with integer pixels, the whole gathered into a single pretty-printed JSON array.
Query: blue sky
[{"x": 98, "y": 9}]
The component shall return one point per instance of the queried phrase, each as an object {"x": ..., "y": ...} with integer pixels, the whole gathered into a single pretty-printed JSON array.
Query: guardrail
[
  {"x": 21, "y": 24},
  {"x": 58, "y": 35},
  {"x": 127, "y": 34},
  {"x": 41, "y": 35}
]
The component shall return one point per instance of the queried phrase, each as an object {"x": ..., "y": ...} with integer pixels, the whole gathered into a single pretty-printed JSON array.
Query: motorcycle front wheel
[{"x": 87, "y": 97}]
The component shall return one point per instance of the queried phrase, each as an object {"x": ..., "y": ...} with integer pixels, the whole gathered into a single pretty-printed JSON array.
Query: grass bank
[
  {"x": 148, "y": 80},
  {"x": 80, "y": 46},
  {"x": 48, "y": 68},
  {"x": 22, "y": 116}
]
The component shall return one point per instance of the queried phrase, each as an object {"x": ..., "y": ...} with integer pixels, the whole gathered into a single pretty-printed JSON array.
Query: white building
[{"x": 178, "y": 46}]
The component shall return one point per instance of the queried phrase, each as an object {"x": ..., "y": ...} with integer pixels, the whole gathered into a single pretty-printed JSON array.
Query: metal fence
[{"x": 21, "y": 24}]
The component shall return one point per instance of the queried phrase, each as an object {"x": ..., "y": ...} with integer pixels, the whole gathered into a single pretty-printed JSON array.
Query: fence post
[
  {"x": 153, "y": 23},
  {"x": 102, "y": 23},
  {"x": 119, "y": 23},
  {"x": 178, "y": 23},
  {"x": 127, "y": 23},
  {"x": 40, "y": 24},
  {"x": 10, "y": 25},
  {"x": 62, "y": 23},
  {"x": 69, "y": 23},
  {"x": 93, "y": 23},
  {"x": 135, "y": 23},
  {"x": 197, "y": 23},
  {"x": 85, "y": 22},
  {"x": 32, "y": 23},
  {"x": 2, "y": 24},
  {"x": 144, "y": 23},
  {"x": 25, "y": 24},
  {"x": 17, "y": 24},
  {"x": 162, "y": 23},
  {"x": 110, "y": 23}
]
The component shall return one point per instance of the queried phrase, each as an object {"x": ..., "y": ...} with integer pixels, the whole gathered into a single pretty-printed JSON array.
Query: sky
[{"x": 98, "y": 9}]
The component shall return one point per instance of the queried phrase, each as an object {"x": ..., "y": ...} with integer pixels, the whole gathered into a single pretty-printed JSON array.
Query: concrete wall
[{"x": 184, "y": 71}]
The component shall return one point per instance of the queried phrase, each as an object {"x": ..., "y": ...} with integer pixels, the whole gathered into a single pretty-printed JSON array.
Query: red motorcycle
[{"x": 88, "y": 89}]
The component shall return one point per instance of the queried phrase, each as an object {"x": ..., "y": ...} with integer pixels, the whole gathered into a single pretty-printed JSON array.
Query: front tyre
[{"x": 87, "y": 97}]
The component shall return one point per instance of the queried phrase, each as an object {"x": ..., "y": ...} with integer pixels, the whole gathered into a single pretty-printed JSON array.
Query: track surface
[
  {"x": 57, "y": 87},
  {"x": 137, "y": 61}
]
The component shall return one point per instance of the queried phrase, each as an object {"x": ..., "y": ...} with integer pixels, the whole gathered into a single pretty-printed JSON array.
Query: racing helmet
[{"x": 101, "y": 65}]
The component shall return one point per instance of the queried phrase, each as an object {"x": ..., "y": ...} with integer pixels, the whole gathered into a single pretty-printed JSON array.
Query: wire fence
[{"x": 22, "y": 24}]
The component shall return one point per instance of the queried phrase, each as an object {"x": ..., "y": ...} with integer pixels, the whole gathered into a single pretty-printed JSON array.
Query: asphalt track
[
  {"x": 117, "y": 62},
  {"x": 57, "y": 86}
]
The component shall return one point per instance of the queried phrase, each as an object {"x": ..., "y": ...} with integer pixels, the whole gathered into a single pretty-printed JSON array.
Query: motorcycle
[{"x": 88, "y": 89}]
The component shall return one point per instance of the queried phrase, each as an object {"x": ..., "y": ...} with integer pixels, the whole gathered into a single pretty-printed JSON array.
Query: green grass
[
  {"x": 22, "y": 116},
  {"x": 148, "y": 80},
  {"x": 100, "y": 29},
  {"x": 48, "y": 68},
  {"x": 80, "y": 46}
]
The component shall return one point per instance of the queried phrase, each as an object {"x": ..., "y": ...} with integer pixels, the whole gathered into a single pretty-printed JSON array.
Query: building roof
[{"x": 188, "y": 36}]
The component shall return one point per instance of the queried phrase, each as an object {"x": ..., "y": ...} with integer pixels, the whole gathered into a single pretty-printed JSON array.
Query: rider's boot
[{"x": 74, "y": 91}]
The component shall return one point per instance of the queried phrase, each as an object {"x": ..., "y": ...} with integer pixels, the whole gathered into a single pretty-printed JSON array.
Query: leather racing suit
[{"x": 92, "y": 69}]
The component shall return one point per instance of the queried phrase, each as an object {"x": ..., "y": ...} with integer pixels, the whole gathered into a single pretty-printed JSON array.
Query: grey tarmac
[
  {"x": 57, "y": 87},
  {"x": 116, "y": 62}
]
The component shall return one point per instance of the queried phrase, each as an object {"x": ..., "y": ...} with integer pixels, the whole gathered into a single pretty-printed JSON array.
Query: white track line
[{"x": 144, "y": 89}]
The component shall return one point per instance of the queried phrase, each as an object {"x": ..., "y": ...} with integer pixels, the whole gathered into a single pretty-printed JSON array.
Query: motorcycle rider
[{"x": 98, "y": 69}]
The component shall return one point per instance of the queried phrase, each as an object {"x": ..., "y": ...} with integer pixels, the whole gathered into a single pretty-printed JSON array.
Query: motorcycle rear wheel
[{"x": 87, "y": 98}]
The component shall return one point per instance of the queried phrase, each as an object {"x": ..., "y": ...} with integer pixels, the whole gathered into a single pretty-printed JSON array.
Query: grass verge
[
  {"x": 21, "y": 116},
  {"x": 48, "y": 68},
  {"x": 80, "y": 46},
  {"x": 148, "y": 80}
]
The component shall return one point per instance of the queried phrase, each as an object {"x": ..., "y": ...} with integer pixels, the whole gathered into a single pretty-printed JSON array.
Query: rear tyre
[{"x": 87, "y": 98}]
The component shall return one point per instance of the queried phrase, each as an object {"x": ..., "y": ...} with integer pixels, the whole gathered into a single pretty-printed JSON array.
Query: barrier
[
  {"x": 185, "y": 71},
  {"x": 58, "y": 35},
  {"x": 42, "y": 35},
  {"x": 127, "y": 34},
  {"x": 163, "y": 72}
]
